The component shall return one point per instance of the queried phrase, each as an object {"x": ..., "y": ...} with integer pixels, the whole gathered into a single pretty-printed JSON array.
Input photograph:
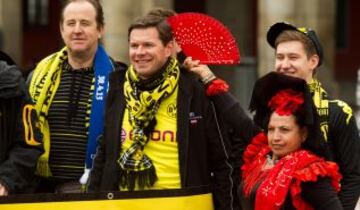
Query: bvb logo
[{"x": 171, "y": 110}]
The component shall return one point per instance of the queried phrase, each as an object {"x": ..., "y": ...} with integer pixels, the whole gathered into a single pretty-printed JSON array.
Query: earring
[{"x": 303, "y": 139}]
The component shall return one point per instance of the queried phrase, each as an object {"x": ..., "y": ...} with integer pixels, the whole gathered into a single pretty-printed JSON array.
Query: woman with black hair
[
  {"x": 20, "y": 139},
  {"x": 283, "y": 163}
]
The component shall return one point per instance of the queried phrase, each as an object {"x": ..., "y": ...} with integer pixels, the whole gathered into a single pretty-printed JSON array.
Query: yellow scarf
[
  {"x": 43, "y": 86},
  {"x": 321, "y": 102}
]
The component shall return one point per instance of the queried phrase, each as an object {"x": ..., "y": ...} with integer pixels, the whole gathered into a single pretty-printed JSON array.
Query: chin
[
  {"x": 79, "y": 50},
  {"x": 279, "y": 153}
]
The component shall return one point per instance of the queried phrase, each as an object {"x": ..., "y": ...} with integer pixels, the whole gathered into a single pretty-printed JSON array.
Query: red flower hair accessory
[{"x": 286, "y": 102}]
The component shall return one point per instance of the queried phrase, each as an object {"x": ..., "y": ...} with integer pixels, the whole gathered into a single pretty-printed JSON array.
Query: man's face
[
  {"x": 292, "y": 60},
  {"x": 79, "y": 29},
  {"x": 147, "y": 52}
]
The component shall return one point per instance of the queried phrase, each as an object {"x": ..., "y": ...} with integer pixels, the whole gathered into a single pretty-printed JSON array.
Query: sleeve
[
  {"x": 18, "y": 170},
  {"x": 235, "y": 124},
  {"x": 218, "y": 160},
  {"x": 28, "y": 79},
  {"x": 97, "y": 170},
  {"x": 321, "y": 195},
  {"x": 345, "y": 145},
  {"x": 238, "y": 121}
]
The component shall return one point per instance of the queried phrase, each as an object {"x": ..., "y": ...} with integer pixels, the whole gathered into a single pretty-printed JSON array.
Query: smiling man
[
  {"x": 160, "y": 132},
  {"x": 69, "y": 89}
]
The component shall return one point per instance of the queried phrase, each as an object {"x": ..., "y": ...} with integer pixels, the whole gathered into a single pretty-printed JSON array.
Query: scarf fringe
[
  {"x": 144, "y": 178},
  {"x": 43, "y": 168}
]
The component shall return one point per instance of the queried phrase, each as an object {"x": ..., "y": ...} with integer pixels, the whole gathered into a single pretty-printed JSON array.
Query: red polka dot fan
[{"x": 204, "y": 38}]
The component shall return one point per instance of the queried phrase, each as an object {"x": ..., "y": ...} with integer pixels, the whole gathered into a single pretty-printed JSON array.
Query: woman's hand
[{"x": 203, "y": 71}]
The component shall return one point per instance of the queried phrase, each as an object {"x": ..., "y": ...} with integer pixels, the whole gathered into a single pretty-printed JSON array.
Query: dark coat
[
  {"x": 202, "y": 151},
  {"x": 18, "y": 155}
]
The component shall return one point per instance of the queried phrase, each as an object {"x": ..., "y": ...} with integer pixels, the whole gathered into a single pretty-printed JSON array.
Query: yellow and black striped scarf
[
  {"x": 321, "y": 102},
  {"x": 143, "y": 99},
  {"x": 42, "y": 89}
]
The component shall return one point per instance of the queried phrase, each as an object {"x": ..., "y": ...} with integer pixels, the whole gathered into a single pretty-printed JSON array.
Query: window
[{"x": 36, "y": 13}]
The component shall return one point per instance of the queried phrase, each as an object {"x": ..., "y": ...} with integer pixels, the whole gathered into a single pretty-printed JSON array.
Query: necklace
[{"x": 270, "y": 161}]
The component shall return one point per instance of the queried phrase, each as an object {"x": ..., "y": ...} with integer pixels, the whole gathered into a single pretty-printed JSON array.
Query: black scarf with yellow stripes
[
  {"x": 321, "y": 102},
  {"x": 143, "y": 99}
]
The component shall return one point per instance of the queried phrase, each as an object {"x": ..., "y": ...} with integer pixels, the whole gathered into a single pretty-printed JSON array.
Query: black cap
[{"x": 276, "y": 29}]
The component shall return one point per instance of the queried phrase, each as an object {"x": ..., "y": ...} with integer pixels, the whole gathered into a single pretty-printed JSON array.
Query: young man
[
  {"x": 160, "y": 131},
  {"x": 69, "y": 88},
  {"x": 298, "y": 53},
  {"x": 20, "y": 139}
]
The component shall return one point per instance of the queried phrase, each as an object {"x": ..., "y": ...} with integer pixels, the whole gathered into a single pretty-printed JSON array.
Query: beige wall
[
  {"x": 118, "y": 16},
  {"x": 10, "y": 25}
]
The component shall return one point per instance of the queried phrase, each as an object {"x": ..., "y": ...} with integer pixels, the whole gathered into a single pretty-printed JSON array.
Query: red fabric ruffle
[
  {"x": 216, "y": 87},
  {"x": 312, "y": 173},
  {"x": 285, "y": 177},
  {"x": 254, "y": 158},
  {"x": 259, "y": 142}
]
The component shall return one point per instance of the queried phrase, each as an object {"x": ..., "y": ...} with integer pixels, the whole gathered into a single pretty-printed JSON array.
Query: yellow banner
[{"x": 192, "y": 202}]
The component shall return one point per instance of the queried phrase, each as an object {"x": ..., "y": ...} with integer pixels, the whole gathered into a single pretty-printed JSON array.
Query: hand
[
  {"x": 203, "y": 71},
  {"x": 3, "y": 190}
]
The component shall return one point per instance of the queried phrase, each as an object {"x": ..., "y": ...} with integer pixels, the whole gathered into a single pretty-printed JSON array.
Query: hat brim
[{"x": 275, "y": 30}]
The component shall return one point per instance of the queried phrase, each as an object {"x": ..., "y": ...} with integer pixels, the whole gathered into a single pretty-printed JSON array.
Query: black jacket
[
  {"x": 344, "y": 143},
  {"x": 18, "y": 156},
  {"x": 343, "y": 140},
  {"x": 202, "y": 151}
]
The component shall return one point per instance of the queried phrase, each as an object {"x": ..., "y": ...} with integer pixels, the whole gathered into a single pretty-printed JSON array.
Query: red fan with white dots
[{"x": 204, "y": 38}]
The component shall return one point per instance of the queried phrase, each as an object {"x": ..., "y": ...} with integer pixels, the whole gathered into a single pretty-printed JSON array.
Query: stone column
[{"x": 270, "y": 11}]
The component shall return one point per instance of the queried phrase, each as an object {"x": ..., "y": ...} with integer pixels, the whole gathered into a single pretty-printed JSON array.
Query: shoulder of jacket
[
  {"x": 337, "y": 104},
  {"x": 119, "y": 66}
]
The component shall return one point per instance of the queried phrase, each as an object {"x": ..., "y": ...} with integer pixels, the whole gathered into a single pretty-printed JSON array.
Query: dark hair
[
  {"x": 97, "y": 6},
  {"x": 158, "y": 22},
  {"x": 161, "y": 12}
]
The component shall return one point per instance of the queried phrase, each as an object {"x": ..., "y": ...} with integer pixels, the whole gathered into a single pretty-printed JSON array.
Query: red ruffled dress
[
  {"x": 281, "y": 186},
  {"x": 274, "y": 185}
]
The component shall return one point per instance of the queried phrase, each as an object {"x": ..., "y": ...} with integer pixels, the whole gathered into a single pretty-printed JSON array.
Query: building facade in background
[{"x": 29, "y": 30}]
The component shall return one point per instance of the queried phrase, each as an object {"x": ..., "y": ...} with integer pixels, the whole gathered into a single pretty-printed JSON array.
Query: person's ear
[
  {"x": 61, "y": 27},
  {"x": 304, "y": 134},
  {"x": 169, "y": 48},
  {"x": 314, "y": 61},
  {"x": 101, "y": 30}
]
